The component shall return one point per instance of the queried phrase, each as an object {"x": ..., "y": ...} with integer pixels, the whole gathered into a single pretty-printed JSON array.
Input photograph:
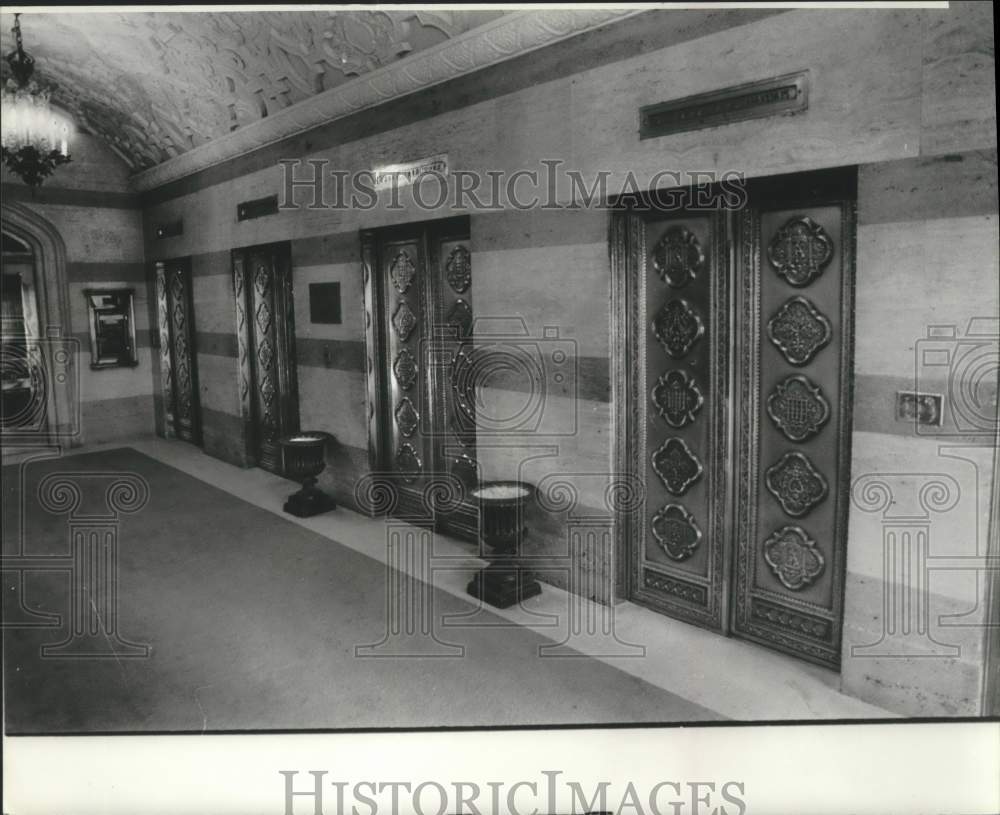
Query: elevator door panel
[
  {"x": 178, "y": 358},
  {"x": 421, "y": 368},
  {"x": 266, "y": 347},
  {"x": 680, "y": 567},
  {"x": 792, "y": 535}
]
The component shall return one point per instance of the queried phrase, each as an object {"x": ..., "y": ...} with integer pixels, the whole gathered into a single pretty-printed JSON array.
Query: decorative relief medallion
[
  {"x": 407, "y": 417},
  {"x": 677, "y": 398},
  {"x": 677, "y": 326},
  {"x": 458, "y": 269},
  {"x": 263, "y": 317},
  {"x": 404, "y": 320},
  {"x": 405, "y": 369},
  {"x": 460, "y": 318},
  {"x": 800, "y": 251},
  {"x": 793, "y": 557},
  {"x": 465, "y": 469},
  {"x": 265, "y": 354},
  {"x": 798, "y": 408},
  {"x": 267, "y": 393},
  {"x": 691, "y": 592},
  {"x": 795, "y": 621},
  {"x": 408, "y": 463},
  {"x": 677, "y": 467},
  {"x": 798, "y": 330},
  {"x": 796, "y": 484},
  {"x": 402, "y": 271},
  {"x": 463, "y": 385},
  {"x": 676, "y": 531},
  {"x": 677, "y": 257},
  {"x": 262, "y": 279}
]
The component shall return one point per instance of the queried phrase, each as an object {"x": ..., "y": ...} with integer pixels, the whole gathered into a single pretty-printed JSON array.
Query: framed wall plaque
[
  {"x": 112, "y": 328},
  {"x": 324, "y": 303}
]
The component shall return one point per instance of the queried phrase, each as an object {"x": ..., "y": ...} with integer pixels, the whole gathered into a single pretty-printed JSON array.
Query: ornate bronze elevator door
[
  {"x": 265, "y": 317},
  {"x": 421, "y": 391},
  {"x": 738, "y": 415},
  {"x": 795, "y": 309},
  {"x": 178, "y": 358},
  {"x": 679, "y": 568}
]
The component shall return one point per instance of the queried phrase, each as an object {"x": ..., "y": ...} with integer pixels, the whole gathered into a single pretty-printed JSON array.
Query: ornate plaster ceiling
[{"x": 157, "y": 85}]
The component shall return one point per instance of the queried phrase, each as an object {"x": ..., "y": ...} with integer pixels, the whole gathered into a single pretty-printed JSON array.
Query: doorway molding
[{"x": 52, "y": 293}]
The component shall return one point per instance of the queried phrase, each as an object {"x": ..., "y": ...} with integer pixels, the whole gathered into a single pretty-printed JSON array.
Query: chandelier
[{"x": 35, "y": 137}]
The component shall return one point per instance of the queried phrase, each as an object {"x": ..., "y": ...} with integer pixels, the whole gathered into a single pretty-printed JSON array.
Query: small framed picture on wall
[
  {"x": 112, "y": 328},
  {"x": 324, "y": 303}
]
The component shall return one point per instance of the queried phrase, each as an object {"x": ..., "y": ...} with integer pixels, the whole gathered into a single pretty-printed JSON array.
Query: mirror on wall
[{"x": 112, "y": 328}]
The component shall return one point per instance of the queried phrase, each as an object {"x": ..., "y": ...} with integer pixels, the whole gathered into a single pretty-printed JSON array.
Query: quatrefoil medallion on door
[
  {"x": 458, "y": 269},
  {"x": 460, "y": 318},
  {"x": 799, "y": 330},
  {"x": 408, "y": 463},
  {"x": 796, "y": 484},
  {"x": 677, "y": 467},
  {"x": 798, "y": 408},
  {"x": 404, "y": 369},
  {"x": 678, "y": 327},
  {"x": 793, "y": 557},
  {"x": 404, "y": 320},
  {"x": 800, "y": 251},
  {"x": 677, "y": 398},
  {"x": 466, "y": 470},
  {"x": 402, "y": 271},
  {"x": 676, "y": 531},
  {"x": 463, "y": 386},
  {"x": 407, "y": 417},
  {"x": 678, "y": 257}
]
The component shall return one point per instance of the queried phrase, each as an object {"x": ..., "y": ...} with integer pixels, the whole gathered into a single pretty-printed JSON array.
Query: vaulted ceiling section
[{"x": 156, "y": 85}]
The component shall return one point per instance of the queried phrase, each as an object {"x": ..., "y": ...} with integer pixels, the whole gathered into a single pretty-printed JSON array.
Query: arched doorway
[{"x": 40, "y": 346}]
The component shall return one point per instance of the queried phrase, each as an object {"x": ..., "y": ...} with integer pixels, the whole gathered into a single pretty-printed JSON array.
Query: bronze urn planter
[
  {"x": 505, "y": 581},
  {"x": 304, "y": 459}
]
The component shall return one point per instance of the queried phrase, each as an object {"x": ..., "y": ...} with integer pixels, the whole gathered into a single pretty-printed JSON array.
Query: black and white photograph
[{"x": 468, "y": 377}]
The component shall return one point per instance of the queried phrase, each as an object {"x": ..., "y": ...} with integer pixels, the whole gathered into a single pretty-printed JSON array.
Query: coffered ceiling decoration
[{"x": 174, "y": 92}]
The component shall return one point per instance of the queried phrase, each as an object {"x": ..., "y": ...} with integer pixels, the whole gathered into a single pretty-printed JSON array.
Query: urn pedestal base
[
  {"x": 504, "y": 581},
  {"x": 309, "y": 501},
  {"x": 503, "y": 586}
]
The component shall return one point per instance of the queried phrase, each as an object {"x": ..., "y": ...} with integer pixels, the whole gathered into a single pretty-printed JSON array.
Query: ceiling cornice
[{"x": 499, "y": 40}]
